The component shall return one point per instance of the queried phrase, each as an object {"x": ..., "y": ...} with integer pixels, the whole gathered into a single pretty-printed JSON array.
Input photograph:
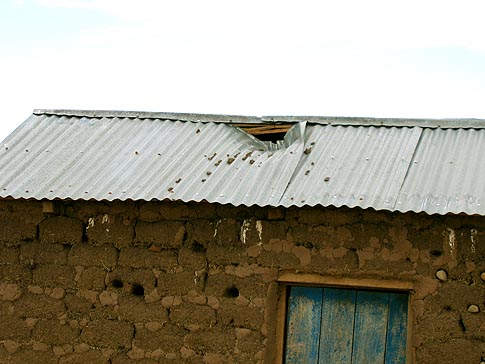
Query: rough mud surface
[{"x": 128, "y": 282}]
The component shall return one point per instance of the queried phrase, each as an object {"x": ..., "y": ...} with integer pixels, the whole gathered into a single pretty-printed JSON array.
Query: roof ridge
[{"x": 451, "y": 123}]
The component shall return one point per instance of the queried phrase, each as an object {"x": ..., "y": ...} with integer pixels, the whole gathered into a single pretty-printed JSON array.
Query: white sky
[{"x": 335, "y": 58}]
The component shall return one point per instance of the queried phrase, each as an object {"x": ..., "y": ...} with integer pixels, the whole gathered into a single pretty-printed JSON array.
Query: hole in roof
[{"x": 267, "y": 132}]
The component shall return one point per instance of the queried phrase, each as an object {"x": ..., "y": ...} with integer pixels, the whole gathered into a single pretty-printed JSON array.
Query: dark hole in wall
[
  {"x": 447, "y": 308},
  {"x": 117, "y": 283},
  {"x": 436, "y": 253},
  {"x": 197, "y": 247},
  {"x": 231, "y": 292},
  {"x": 305, "y": 244},
  {"x": 137, "y": 289},
  {"x": 462, "y": 325}
]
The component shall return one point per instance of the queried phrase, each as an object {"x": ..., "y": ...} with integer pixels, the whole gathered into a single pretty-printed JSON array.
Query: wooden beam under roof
[{"x": 259, "y": 129}]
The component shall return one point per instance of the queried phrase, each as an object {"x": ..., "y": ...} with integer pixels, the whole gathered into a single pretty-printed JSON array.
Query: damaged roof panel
[
  {"x": 418, "y": 166},
  {"x": 352, "y": 166},
  {"x": 144, "y": 159}
]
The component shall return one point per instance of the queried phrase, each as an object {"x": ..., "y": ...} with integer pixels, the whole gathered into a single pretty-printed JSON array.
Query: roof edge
[
  {"x": 465, "y": 123},
  {"x": 218, "y": 118},
  {"x": 458, "y": 123}
]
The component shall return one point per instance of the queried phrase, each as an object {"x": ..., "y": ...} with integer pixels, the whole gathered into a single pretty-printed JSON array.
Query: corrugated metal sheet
[
  {"x": 447, "y": 174},
  {"x": 352, "y": 166},
  {"x": 92, "y": 155},
  {"x": 144, "y": 159}
]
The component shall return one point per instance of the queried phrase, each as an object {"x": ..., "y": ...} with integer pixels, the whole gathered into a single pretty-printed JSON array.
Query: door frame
[{"x": 287, "y": 279}]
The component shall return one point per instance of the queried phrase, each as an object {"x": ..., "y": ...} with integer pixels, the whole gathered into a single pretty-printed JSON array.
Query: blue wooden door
[{"x": 345, "y": 326}]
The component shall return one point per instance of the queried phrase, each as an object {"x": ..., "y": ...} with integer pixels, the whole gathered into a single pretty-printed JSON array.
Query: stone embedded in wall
[
  {"x": 11, "y": 346},
  {"x": 9, "y": 292},
  {"x": 61, "y": 230},
  {"x": 108, "y": 298},
  {"x": 473, "y": 309},
  {"x": 442, "y": 275}
]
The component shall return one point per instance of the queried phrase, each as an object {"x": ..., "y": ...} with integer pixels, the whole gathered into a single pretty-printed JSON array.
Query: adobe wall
[{"x": 197, "y": 283}]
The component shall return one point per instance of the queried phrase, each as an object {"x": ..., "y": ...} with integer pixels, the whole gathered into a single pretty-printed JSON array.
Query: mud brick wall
[{"x": 146, "y": 283}]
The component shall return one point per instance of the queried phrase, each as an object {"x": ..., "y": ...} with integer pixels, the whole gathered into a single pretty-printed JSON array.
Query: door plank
[
  {"x": 397, "y": 328},
  {"x": 370, "y": 327},
  {"x": 303, "y": 325},
  {"x": 338, "y": 311}
]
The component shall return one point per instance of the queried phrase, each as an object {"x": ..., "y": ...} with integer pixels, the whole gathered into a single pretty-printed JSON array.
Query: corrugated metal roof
[{"x": 152, "y": 156}]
